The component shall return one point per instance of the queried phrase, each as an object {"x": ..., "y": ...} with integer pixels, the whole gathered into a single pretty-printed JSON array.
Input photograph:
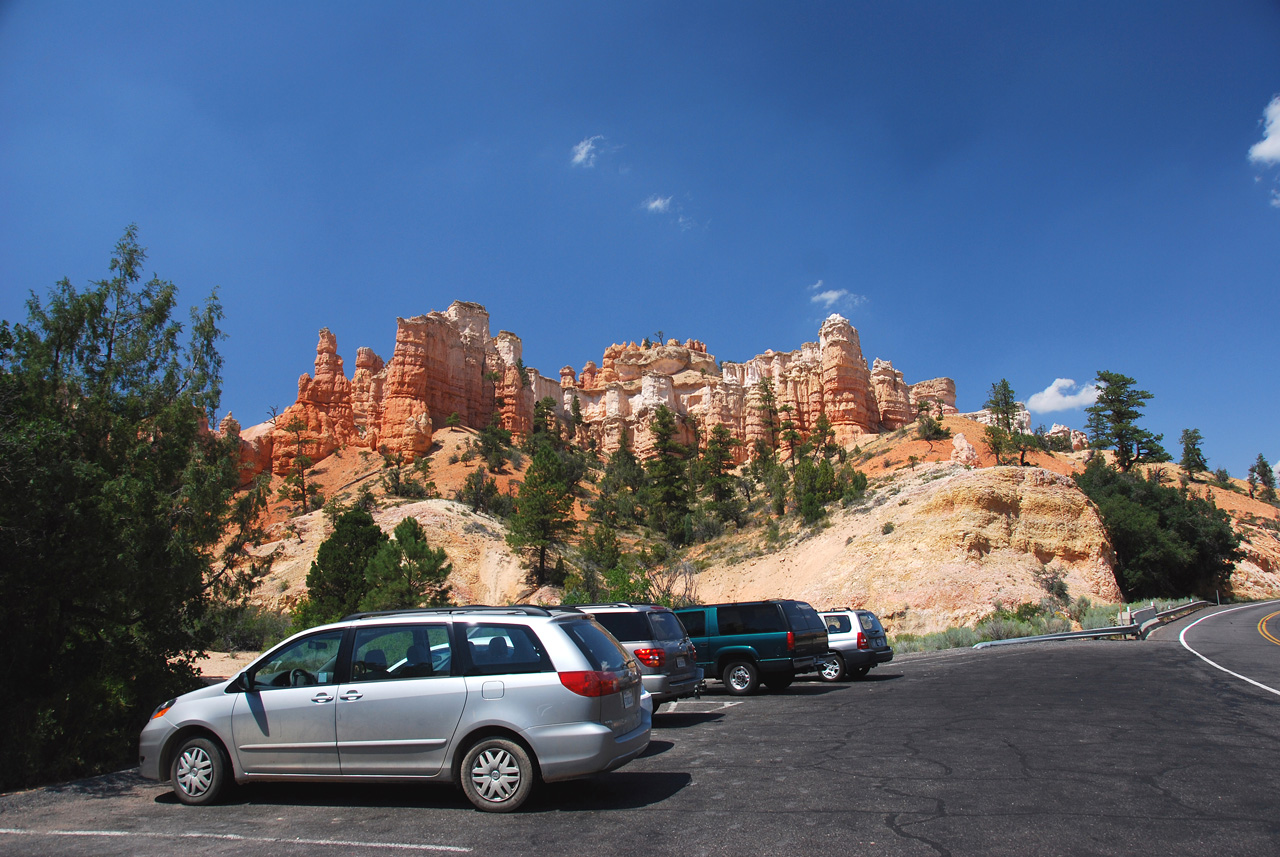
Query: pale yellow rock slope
[{"x": 961, "y": 540}]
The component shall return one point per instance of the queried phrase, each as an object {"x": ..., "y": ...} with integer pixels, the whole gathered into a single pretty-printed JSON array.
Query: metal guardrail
[{"x": 1144, "y": 620}]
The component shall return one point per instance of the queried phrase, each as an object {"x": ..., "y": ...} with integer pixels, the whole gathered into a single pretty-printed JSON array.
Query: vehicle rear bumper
[
  {"x": 666, "y": 688},
  {"x": 572, "y": 750},
  {"x": 854, "y": 658}
]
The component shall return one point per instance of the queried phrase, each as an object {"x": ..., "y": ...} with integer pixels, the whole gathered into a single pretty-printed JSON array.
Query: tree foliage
[
  {"x": 544, "y": 510},
  {"x": 1168, "y": 542},
  {"x": 336, "y": 582},
  {"x": 1260, "y": 473},
  {"x": 1113, "y": 422},
  {"x": 119, "y": 522},
  {"x": 1193, "y": 460},
  {"x": 668, "y": 476},
  {"x": 406, "y": 572}
]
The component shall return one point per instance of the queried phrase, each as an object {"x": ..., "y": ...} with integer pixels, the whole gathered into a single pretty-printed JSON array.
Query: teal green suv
[{"x": 756, "y": 642}]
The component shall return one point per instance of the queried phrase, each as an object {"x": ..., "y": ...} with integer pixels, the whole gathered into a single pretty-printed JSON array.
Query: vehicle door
[
  {"x": 695, "y": 623},
  {"x": 399, "y": 708},
  {"x": 807, "y": 626},
  {"x": 284, "y": 722}
]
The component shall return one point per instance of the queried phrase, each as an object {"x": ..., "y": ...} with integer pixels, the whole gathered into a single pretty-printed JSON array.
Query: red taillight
[
  {"x": 862, "y": 641},
  {"x": 791, "y": 641},
  {"x": 591, "y": 682},
  {"x": 651, "y": 657}
]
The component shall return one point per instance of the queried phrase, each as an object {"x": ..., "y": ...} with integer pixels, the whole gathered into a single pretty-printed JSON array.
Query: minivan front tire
[
  {"x": 740, "y": 678},
  {"x": 497, "y": 775},
  {"x": 200, "y": 771}
]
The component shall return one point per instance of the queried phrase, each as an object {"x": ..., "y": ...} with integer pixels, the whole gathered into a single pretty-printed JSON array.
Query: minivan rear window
[
  {"x": 627, "y": 627},
  {"x": 666, "y": 626},
  {"x": 598, "y": 647}
]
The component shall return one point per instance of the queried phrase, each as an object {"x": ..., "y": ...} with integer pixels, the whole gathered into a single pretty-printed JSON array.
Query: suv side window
[
  {"x": 311, "y": 660},
  {"x": 750, "y": 619},
  {"x": 495, "y": 649},
  {"x": 400, "y": 651},
  {"x": 838, "y": 624},
  {"x": 694, "y": 621}
]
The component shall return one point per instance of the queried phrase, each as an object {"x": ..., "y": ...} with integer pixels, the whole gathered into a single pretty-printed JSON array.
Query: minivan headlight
[{"x": 163, "y": 707}]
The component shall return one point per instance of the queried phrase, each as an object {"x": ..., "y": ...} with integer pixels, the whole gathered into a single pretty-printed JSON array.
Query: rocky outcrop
[
  {"x": 940, "y": 392},
  {"x": 446, "y": 363},
  {"x": 963, "y": 452},
  {"x": 1078, "y": 439},
  {"x": 961, "y": 540}
]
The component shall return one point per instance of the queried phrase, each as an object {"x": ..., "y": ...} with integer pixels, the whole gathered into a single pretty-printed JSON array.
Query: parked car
[
  {"x": 753, "y": 642},
  {"x": 668, "y": 661},
  {"x": 492, "y": 698},
  {"x": 858, "y": 643}
]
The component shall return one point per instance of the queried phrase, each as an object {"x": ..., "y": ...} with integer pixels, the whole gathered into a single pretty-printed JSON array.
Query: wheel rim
[
  {"x": 740, "y": 678},
  {"x": 195, "y": 771},
  {"x": 496, "y": 775},
  {"x": 831, "y": 669}
]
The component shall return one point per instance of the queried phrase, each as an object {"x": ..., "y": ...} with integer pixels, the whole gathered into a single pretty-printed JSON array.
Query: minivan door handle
[
  {"x": 322, "y": 696},
  {"x": 350, "y": 695}
]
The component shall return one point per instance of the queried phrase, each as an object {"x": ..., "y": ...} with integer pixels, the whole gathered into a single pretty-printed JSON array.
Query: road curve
[{"x": 1243, "y": 642}]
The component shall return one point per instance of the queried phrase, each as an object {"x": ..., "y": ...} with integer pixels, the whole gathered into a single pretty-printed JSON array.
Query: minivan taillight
[
  {"x": 591, "y": 682},
  {"x": 651, "y": 657},
  {"x": 862, "y": 641},
  {"x": 791, "y": 641}
]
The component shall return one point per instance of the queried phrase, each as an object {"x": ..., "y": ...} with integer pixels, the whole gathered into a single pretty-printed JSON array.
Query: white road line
[
  {"x": 231, "y": 837},
  {"x": 1182, "y": 638}
]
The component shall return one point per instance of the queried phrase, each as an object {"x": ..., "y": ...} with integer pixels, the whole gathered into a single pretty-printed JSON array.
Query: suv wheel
[
  {"x": 741, "y": 677},
  {"x": 497, "y": 775},
  {"x": 831, "y": 667},
  {"x": 199, "y": 771}
]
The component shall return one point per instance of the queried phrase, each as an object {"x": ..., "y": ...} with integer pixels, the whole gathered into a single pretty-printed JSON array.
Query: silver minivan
[
  {"x": 654, "y": 635},
  {"x": 491, "y": 698}
]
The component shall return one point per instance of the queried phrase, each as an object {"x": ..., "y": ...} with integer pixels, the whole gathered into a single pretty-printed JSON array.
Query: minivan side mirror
[{"x": 239, "y": 684}]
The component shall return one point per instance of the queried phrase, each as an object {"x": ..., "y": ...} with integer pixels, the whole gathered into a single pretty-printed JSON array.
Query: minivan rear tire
[
  {"x": 497, "y": 775},
  {"x": 740, "y": 678}
]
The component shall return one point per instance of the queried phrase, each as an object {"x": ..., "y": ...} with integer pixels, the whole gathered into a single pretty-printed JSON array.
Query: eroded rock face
[
  {"x": 447, "y": 363},
  {"x": 961, "y": 540},
  {"x": 941, "y": 391}
]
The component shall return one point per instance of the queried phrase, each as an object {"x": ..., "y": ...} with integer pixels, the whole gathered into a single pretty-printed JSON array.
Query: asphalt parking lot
[{"x": 1075, "y": 748}]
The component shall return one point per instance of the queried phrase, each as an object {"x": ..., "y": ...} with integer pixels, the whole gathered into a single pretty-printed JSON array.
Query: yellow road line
[{"x": 1262, "y": 628}]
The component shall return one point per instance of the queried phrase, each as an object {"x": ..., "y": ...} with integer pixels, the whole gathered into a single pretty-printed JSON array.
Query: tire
[
  {"x": 740, "y": 678},
  {"x": 779, "y": 683},
  {"x": 860, "y": 672},
  {"x": 831, "y": 667},
  {"x": 200, "y": 771},
  {"x": 497, "y": 775}
]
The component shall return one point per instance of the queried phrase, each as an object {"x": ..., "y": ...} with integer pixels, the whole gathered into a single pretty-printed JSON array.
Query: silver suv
[
  {"x": 654, "y": 635},
  {"x": 492, "y": 698},
  {"x": 857, "y": 642}
]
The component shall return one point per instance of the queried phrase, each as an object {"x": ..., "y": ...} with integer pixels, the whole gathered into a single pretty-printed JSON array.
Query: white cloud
[
  {"x": 658, "y": 204},
  {"x": 1267, "y": 151},
  {"x": 1062, "y": 395},
  {"x": 834, "y": 297},
  {"x": 584, "y": 153}
]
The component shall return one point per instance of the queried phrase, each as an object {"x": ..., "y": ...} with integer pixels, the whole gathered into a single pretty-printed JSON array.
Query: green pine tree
[
  {"x": 1113, "y": 422},
  {"x": 406, "y": 572},
  {"x": 336, "y": 583},
  {"x": 544, "y": 510}
]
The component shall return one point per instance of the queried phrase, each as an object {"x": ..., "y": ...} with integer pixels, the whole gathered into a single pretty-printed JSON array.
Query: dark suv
[
  {"x": 754, "y": 642},
  {"x": 668, "y": 664}
]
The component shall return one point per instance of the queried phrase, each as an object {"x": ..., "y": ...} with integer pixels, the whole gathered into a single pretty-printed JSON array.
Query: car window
[
  {"x": 802, "y": 616},
  {"x": 311, "y": 660},
  {"x": 628, "y": 627},
  {"x": 599, "y": 648},
  {"x": 694, "y": 621},
  {"x": 400, "y": 652},
  {"x": 495, "y": 649},
  {"x": 868, "y": 622},
  {"x": 750, "y": 619},
  {"x": 666, "y": 626},
  {"x": 838, "y": 624}
]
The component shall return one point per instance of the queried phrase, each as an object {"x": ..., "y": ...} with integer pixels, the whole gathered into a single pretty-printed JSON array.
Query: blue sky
[{"x": 1031, "y": 191}]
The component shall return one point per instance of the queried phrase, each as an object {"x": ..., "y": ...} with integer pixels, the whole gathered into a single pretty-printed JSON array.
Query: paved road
[{"x": 1069, "y": 748}]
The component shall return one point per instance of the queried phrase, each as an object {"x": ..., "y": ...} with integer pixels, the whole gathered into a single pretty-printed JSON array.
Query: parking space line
[
  {"x": 677, "y": 705},
  {"x": 1182, "y": 638},
  {"x": 232, "y": 837}
]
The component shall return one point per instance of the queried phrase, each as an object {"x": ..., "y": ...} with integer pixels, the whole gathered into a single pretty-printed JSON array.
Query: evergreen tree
[
  {"x": 1167, "y": 541},
  {"x": 1193, "y": 460},
  {"x": 1262, "y": 474},
  {"x": 294, "y": 486},
  {"x": 479, "y": 491},
  {"x": 929, "y": 427},
  {"x": 544, "y": 510},
  {"x": 1113, "y": 422},
  {"x": 718, "y": 462},
  {"x": 767, "y": 407},
  {"x": 119, "y": 525},
  {"x": 336, "y": 583},
  {"x": 495, "y": 444},
  {"x": 1002, "y": 433},
  {"x": 406, "y": 572},
  {"x": 668, "y": 476},
  {"x": 621, "y": 490}
]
